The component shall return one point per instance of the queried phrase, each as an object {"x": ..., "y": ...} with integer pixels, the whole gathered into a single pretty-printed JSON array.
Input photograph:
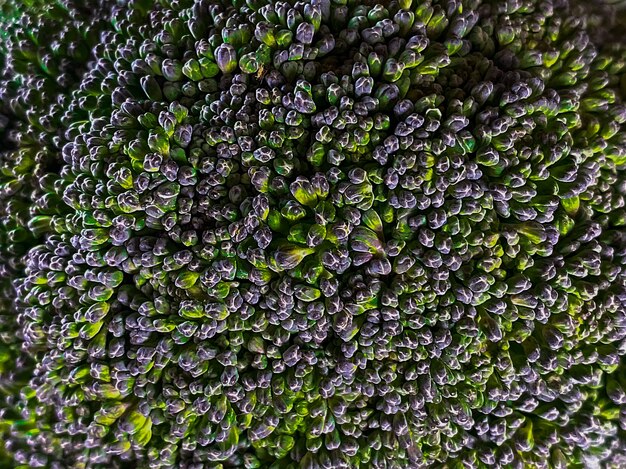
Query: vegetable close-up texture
[{"x": 338, "y": 234}]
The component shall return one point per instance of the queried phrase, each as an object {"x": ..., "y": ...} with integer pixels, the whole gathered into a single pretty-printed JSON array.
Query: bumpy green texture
[{"x": 316, "y": 234}]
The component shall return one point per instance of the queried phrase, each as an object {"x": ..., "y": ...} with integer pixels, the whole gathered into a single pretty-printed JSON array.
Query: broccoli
[{"x": 312, "y": 234}]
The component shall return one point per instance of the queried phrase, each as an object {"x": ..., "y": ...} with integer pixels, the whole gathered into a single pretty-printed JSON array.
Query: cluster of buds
[
  {"x": 314, "y": 234},
  {"x": 45, "y": 49}
]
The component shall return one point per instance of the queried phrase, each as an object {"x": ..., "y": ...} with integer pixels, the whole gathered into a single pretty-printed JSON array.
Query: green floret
[{"x": 312, "y": 234}]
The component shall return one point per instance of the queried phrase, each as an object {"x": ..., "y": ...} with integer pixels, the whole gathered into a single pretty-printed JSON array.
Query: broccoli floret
[{"x": 312, "y": 234}]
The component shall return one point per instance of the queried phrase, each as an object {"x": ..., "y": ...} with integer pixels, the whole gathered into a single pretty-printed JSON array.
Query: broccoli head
[{"x": 312, "y": 234}]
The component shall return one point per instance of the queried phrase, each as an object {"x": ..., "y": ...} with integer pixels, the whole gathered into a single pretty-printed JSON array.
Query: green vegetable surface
[{"x": 335, "y": 234}]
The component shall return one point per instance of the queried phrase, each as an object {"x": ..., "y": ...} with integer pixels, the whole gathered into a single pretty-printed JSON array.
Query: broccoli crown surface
[{"x": 312, "y": 234}]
